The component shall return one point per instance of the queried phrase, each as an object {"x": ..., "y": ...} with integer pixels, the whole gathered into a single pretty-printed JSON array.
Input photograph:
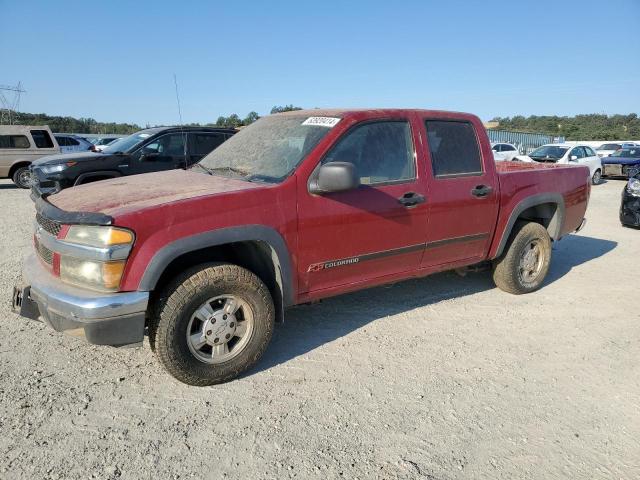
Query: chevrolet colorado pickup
[{"x": 297, "y": 207}]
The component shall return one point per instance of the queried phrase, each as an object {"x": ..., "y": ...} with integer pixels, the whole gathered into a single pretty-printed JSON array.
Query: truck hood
[
  {"x": 68, "y": 157},
  {"x": 136, "y": 192}
]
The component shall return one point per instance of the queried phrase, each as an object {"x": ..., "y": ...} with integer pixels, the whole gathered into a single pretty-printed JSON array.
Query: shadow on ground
[
  {"x": 310, "y": 326},
  {"x": 8, "y": 186}
]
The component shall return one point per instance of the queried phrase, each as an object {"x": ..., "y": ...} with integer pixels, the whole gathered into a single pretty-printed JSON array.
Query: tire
[
  {"x": 597, "y": 177},
  {"x": 516, "y": 271},
  {"x": 178, "y": 318},
  {"x": 22, "y": 177}
]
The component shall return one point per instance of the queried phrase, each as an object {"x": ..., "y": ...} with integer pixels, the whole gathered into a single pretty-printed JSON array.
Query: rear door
[
  {"x": 203, "y": 143},
  {"x": 463, "y": 192},
  {"x": 375, "y": 230}
]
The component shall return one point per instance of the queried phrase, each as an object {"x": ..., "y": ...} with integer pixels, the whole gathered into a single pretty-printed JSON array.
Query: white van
[{"x": 19, "y": 146}]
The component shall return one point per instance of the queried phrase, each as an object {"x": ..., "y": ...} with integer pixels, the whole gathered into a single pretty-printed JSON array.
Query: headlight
[
  {"x": 98, "y": 273},
  {"x": 98, "y": 236},
  {"x": 57, "y": 168},
  {"x": 633, "y": 187},
  {"x": 92, "y": 274}
]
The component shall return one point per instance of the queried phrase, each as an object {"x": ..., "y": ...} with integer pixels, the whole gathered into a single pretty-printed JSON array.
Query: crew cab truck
[{"x": 297, "y": 207}]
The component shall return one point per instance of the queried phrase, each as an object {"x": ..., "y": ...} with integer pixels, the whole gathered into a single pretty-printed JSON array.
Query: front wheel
[
  {"x": 524, "y": 265},
  {"x": 22, "y": 177},
  {"x": 213, "y": 323},
  {"x": 597, "y": 177}
]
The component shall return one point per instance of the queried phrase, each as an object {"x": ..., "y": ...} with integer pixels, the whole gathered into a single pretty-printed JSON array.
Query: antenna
[
  {"x": 184, "y": 135},
  {"x": 9, "y": 108}
]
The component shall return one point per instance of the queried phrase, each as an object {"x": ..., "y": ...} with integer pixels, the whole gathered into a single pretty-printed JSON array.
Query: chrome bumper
[{"x": 115, "y": 319}]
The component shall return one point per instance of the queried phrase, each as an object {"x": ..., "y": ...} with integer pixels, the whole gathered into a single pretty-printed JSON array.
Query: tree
[
  {"x": 250, "y": 118},
  {"x": 286, "y": 108}
]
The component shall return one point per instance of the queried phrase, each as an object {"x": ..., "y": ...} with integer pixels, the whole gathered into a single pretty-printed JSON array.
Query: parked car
[
  {"x": 101, "y": 143},
  {"x": 607, "y": 149},
  {"x": 150, "y": 150},
  {"x": 73, "y": 143},
  {"x": 19, "y": 146},
  {"x": 630, "y": 206},
  {"x": 621, "y": 162},
  {"x": 506, "y": 150},
  {"x": 562, "y": 153},
  {"x": 295, "y": 207}
]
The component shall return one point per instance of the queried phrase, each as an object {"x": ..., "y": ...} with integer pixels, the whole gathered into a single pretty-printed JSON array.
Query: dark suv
[{"x": 150, "y": 150}]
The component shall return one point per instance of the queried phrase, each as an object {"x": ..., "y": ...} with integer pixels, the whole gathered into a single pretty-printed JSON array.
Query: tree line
[
  {"x": 89, "y": 125},
  {"x": 581, "y": 127}
]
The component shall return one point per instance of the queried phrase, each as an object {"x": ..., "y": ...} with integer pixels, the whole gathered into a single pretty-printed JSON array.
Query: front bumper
[{"x": 115, "y": 319}]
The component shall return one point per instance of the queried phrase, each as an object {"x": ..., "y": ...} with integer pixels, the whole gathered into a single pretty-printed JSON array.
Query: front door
[
  {"x": 463, "y": 193},
  {"x": 165, "y": 152},
  {"x": 374, "y": 230}
]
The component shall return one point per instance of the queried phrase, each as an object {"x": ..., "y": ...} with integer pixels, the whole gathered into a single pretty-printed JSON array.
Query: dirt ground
[{"x": 439, "y": 378}]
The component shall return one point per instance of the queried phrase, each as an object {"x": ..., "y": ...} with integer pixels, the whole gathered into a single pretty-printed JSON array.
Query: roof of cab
[{"x": 342, "y": 112}]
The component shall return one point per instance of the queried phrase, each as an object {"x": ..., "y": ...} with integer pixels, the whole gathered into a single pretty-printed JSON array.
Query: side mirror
[
  {"x": 573, "y": 158},
  {"x": 335, "y": 177}
]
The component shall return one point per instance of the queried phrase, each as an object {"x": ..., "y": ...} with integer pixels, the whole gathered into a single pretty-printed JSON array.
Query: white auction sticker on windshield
[{"x": 328, "y": 122}]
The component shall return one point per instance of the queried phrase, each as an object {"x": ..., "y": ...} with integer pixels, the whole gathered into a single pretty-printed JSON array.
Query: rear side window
[
  {"x": 204, "y": 143},
  {"x": 382, "y": 152},
  {"x": 454, "y": 148},
  {"x": 508, "y": 148},
  {"x": 14, "y": 141},
  {"x": 42, "y": 139},
  {"x": 590, "y": 152}
]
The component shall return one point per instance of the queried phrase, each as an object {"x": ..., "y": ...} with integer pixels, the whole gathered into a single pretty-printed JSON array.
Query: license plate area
[{"x": 613, "y": 170}]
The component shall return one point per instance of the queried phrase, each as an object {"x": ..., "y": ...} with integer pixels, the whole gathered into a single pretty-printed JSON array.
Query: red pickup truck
[{"x": 296, "y": 207}]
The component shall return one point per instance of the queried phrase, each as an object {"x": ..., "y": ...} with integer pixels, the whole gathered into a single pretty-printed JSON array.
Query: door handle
[
  {"x": 481, "y": 191},
  {"x": 411, "y": 199}
]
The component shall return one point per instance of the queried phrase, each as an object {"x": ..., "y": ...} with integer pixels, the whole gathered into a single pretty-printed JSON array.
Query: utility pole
[{"x": 9, "y": 108}]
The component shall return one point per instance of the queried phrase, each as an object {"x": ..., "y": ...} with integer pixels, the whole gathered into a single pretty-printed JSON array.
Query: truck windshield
[
  {"x": 549, "y": 151},
  {"x": 126, "y": 144},
  {"x": 267, "y": 150}
]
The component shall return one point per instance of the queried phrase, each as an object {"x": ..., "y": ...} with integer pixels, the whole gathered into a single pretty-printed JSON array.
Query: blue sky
[{"x": 114, "y": 61}]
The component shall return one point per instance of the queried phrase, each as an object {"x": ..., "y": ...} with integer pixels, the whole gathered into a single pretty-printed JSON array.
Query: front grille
[
  {"x": 48, "y": 225},
  {"x": 45, "y": 254}
]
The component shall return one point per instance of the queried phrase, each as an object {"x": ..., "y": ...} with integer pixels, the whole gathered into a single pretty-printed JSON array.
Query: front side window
[
  {"x": 454, "y": 148},
  {"x": 166, "y": 145},
  {"x": 269, "y": 149},
  {"x": 382, "y": 152},
  {"x": 578, "y": 152},
  {"x": 73, "y": 142},
  {"x": 14, "y": 141},
  {"x": 42, "y": 139}
]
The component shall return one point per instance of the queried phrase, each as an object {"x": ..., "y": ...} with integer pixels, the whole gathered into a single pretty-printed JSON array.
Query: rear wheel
[
  {"x": 597, "y": 177},
  {"x": 524, "y": 265},
  {"x": 213, "y": 323},
  {"x": 22, "y": 177}
]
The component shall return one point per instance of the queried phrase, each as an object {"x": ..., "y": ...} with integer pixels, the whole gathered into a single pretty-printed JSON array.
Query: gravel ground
[{"x": 438, "y": 378}]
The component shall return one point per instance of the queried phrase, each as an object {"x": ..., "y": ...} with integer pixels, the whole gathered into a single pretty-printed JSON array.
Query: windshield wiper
[
  {"x": 202, "y": 167},
  {"x": 237, "y": 171}
]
